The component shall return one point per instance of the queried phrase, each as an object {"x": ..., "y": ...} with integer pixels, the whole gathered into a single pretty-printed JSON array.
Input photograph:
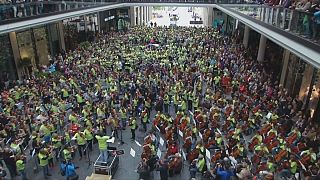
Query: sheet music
[
  {"x": 208, "y": 154},
  {"x": 132, "y": 152},
  {"x": 161, "y": 141},
  {"x": 111, "y": 140},
  {"x": 159, "y": 153}
]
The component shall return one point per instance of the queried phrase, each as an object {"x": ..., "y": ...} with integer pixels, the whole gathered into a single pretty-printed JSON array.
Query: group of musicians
[{"x": 208, "y": 93}]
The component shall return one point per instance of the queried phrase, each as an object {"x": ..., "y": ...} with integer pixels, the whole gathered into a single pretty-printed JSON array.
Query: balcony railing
[
  {"x": 297, "y": 22},
  {"x": 24, "y": 10}
]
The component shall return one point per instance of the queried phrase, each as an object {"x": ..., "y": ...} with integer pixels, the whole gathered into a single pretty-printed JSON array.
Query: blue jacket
[
  {"x": 224, "y": 175},
  {"x": 69, "y": 171}
]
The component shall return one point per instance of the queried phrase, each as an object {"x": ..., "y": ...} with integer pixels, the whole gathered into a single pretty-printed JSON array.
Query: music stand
[{"x": 88, "y": 155}]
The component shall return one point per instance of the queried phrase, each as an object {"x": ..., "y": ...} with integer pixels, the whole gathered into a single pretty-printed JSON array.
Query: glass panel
[
  {"x": 300, "y": 23},
  {"x": 7, "y": 66},
  {"x": 14, "y": 10}
]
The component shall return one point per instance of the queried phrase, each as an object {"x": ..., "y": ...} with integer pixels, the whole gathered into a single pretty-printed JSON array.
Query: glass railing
[
  {"x": 18, "y": 10},
  {"x": 21, "y": 10},
  {"x": 301, "y": 23},
  {"x": 188, "y": 1}
]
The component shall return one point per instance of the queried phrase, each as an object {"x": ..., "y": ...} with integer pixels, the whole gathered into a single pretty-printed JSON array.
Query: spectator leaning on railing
[{"x": 316, "y": 23}]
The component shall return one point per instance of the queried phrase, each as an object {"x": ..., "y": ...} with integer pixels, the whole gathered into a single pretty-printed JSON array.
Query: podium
[
  {"x": 106, "y": 168},
  {"x": 98, "y": 177}
]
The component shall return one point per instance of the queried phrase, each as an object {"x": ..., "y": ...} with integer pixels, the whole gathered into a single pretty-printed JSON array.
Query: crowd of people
[{"x": 202, "y": 87}]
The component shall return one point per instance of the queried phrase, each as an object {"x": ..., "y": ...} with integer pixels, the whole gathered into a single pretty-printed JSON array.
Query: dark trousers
[
  {"x": 144, "y": 124},
  {"x": 133, "y": 133},
  {"x": 89, "y": 144},
  {"x": 80, "y": 149},
  {"x": 166, "y": 108}
]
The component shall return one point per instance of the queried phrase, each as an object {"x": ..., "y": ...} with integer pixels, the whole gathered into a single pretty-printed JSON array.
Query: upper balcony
[
  {"x": 292, "y": 29},
  {"x": 297, "y": 22}
]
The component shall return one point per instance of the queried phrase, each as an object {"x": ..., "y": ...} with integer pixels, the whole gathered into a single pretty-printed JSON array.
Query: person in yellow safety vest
[
  {"x": 46, "y": 131},
  {"x": 218, "y": 139},
  {"x": 144, "y": 117},
  {"x": 15, "y": 146},
  {"x": 80, "y": 100},
  {"x": 197, "y": 165},
  {"x": 123, "y": 115},
  {"x": 201, "y": 148},
  {"x": 271, "y": 165},
  {"x": 89, "y": 136},
  {"x": 65, "y": 94},
  {"x": 20, "y": 163},
  {"x": 73, "y": 118},
  {"x": 100, "y": 112},
  {"x": 184, "y": 106},
  {"x": 261, "y": 147},
  {"x": 43, "y": 161},
  {"x": 56, "y": 141},
  {"x": 103, "y": 146},
  {"x": 81, "y": 141},
  {"x": 293, "y": 164},
  {"x": 67, "y": 155},
  {"x": 166, "y": 101},
  {"x": 311, "y": 153},
  {"x": 133, "y": 126}
]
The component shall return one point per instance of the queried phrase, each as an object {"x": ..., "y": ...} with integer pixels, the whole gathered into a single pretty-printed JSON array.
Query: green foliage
[{"x": 85, "y": 45}]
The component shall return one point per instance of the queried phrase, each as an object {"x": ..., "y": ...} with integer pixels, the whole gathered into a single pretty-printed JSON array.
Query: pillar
[
  {"x": 132, "y": 16},
  {"x": 61, "y": 36},
  {"x": 150, "y": 12},
  {"x": 144, "y": 15},
  {"x": 207, "y": 16},
  {"x": 246, "y": 36},
  {"x": 262, "y": 48},
  {"x": 140, "y": 15},
  {"x": 137, "y": 11},
  {"x": 286, "y": 57},
  {"x": 237, "y": 24},
  {"x": 16, "y": 53},
  {"x": 306, "y": 82}
]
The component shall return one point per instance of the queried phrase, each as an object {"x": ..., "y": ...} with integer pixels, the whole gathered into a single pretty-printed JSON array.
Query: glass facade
[{"x": 7, "y": 66}]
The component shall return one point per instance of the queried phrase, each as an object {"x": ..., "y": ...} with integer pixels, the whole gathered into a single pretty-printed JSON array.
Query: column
[
  {"x": 98, "y": 22},
  {"x": 150, "y": 12},
  {"x": 237, "y": 24},
  {"x": 16, "y": 53},
  {"x": 148, "y": 18},
  {"x": 140, "y": 15},
  {"x": 132, "y": 16},
  {"x": 207, "y": 16},
  {"x": 286, "y": 57},
  {"x": 137, "y": 15},
  {"x": 306, "y": 82},
  {"x": 246, "y": 36},
  {"x": 143, "y": 15},
  {"x": 61, "y": 36},
  {"x": 262, "y": 48}
]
